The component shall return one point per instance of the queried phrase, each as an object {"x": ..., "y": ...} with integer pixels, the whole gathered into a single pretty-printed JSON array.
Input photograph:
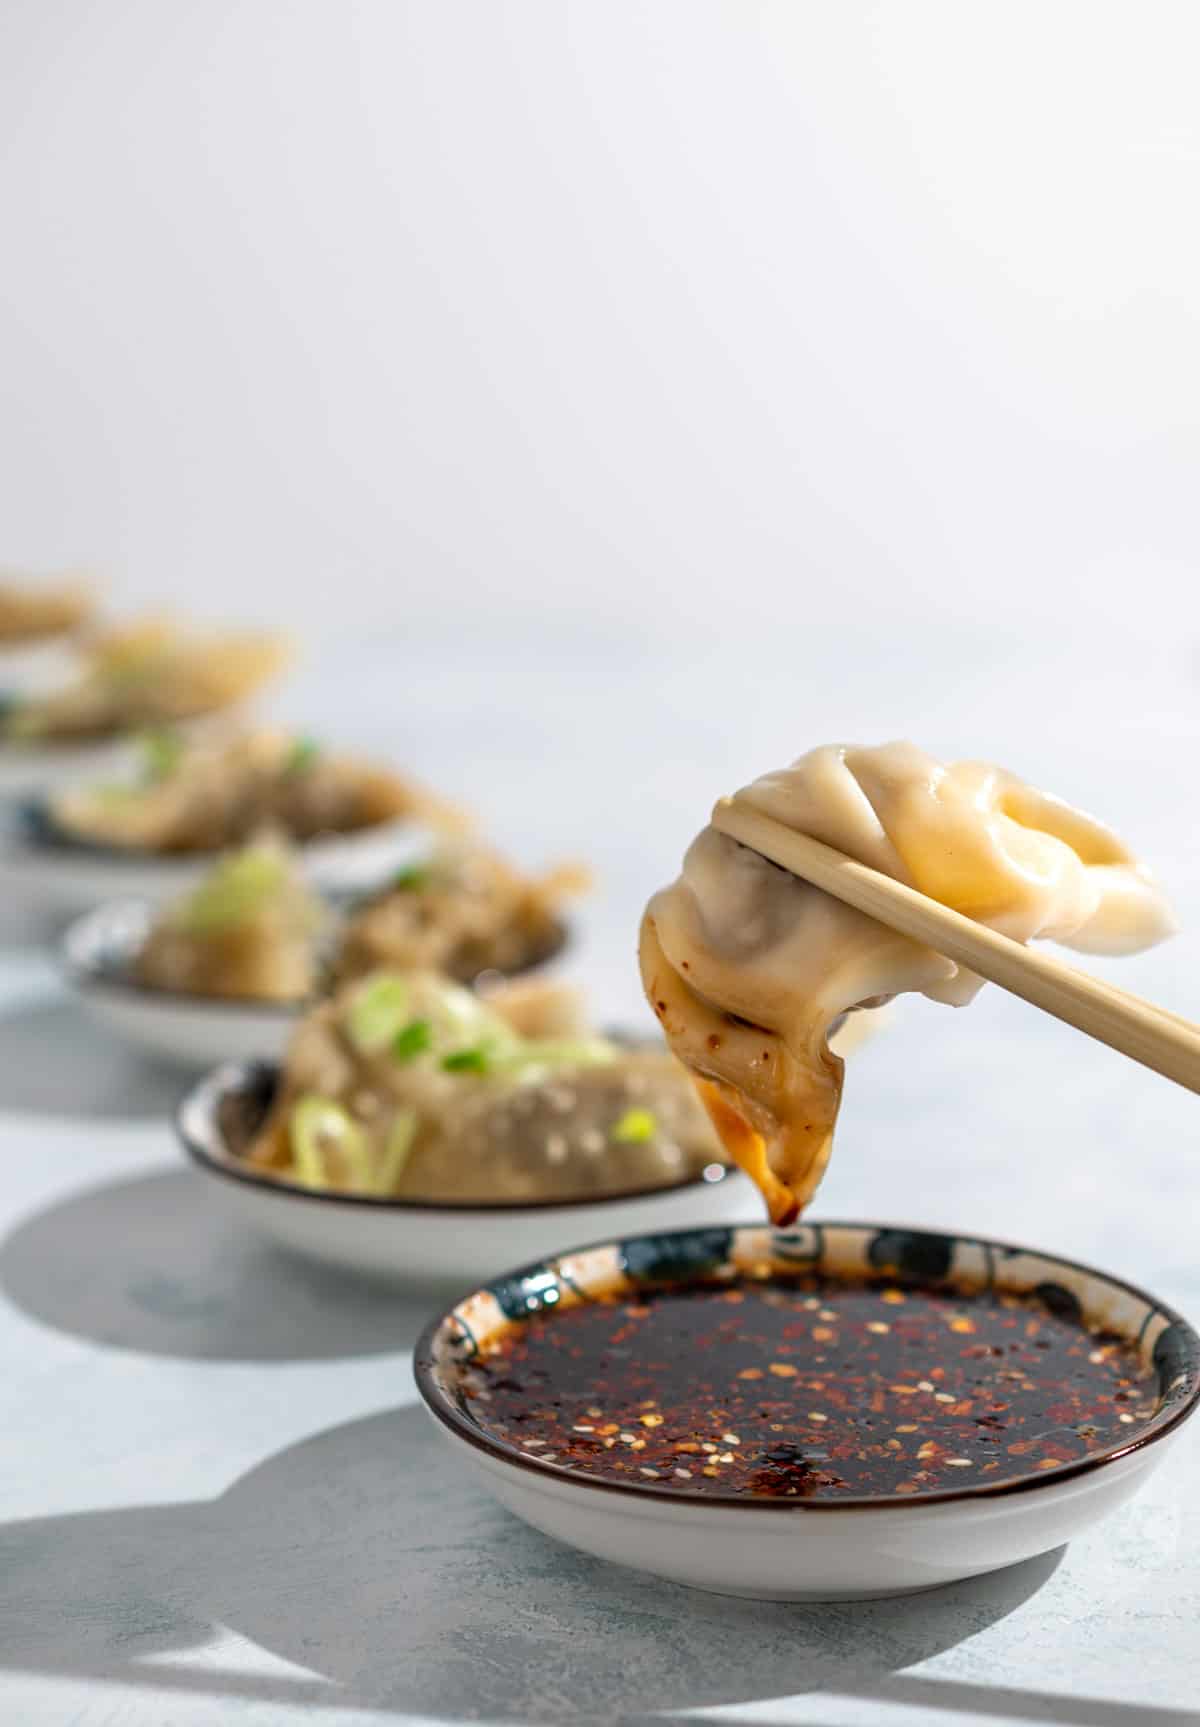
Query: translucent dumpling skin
[{"x": 748, "y": 968}]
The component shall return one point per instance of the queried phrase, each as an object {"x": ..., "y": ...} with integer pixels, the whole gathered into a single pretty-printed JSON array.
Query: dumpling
[{"x": 748, "y": 968}]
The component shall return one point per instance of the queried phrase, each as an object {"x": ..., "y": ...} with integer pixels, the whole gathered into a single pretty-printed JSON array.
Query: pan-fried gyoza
[
  {"x": 748, "y": 968},
  {"x": 462, "y": 911},
  {"x": 204, "y": 797},
  {"x": 145, "y": 674},
  {"x": 406, "y": 1085},
  {"x": 247, "y": 932},
  {"x": 36, "y": 612}
]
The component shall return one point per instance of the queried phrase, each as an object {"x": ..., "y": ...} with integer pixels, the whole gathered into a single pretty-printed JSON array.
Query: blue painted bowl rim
[
  {"x": 440, "y": 1406},
  {"x": 197, "y": 1123}
]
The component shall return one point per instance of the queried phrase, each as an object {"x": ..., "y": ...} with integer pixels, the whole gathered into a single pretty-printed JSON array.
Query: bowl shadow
[
  {"x": 363, "y": 1557},
  {"x": 152, "y": 1264},
  {"x": 53, "y": 1062}
]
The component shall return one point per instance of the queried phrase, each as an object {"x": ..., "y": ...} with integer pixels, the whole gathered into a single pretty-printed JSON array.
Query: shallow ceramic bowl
[
  {"x": 809, "y": 1549},
  {"x": 406, "y": 1240},
  {"x": 58, "y": 876},
  {"x": 194, "y": 1031}
]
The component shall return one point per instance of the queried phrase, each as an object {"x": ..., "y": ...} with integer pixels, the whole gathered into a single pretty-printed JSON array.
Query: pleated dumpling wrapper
[{"x": 749, "y": 968}]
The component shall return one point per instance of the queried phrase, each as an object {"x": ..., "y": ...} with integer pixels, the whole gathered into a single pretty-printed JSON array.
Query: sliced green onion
[
  {"x": 401, "y": 1135},
  {"x": 635, "y": 1127},
  {"x": 318, "y": 1125},
  {"x": 378, "y": 1011},
  {"x": 413, "y": 878},
  {"x": 302, "y": 755},
  {"x": 473, "y": 1060},
  {"x": 412, "y": 1040},
  {"x": 235, "y": 891},
  {"x": 162, "y": 750}
]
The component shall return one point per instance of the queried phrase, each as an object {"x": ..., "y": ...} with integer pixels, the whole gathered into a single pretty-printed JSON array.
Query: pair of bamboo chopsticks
[{"x": 1149, "y": 1034}]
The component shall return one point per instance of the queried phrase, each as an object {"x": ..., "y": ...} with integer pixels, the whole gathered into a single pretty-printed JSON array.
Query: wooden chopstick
[{"x": 1148, "y": 1034}]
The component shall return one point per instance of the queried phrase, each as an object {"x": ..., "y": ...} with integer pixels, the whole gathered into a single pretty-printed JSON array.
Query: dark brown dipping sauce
[{"x": 819, "y": 1389}]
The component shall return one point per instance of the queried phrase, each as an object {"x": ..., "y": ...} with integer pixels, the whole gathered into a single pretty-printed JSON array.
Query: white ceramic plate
[
  {"x": 410, "y": 1240},
  {"x": 799, "y": 1548},
  {"x": 56, "y": 878},
  {"x": 192, "y": 1031}
]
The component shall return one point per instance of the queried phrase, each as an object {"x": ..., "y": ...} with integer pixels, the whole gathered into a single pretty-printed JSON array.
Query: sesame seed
[
  {"x": 683, "y": 1475},
  {"x": 1127, "y": 1419},
  {"x": 878, "y": 1326},
  {"x": 907, "y": 1427},
  {"x": 731, "y": 1439},
  {"x": 816, "y": 1415},
  {"x": 958, "y": 1462},
  {"x": 782, "y": 1370},
  {"x": 646, "y": 1470},
  {"x": 582, "y": 1427},
  {"x": 924, "y": 1385},
  {"x": 942, "y": 1397},
  {"x": 651, "y": 1420}
]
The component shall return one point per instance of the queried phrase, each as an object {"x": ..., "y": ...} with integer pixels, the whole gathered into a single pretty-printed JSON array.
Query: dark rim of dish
[
  {"x": 202, "y": 1119},
  {"x": 439, "y": 1404},
  {"x": 103, "y": 963},
  {"x": 33, "y": 827}
]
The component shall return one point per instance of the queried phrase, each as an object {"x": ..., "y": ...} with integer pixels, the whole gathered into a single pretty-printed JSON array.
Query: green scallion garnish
[
  {"x": 413, "y": 878},
  {"x": 302, "y": 755},
  {"x": 473, "y": 1060},
  {"x": 412, "y": 1040}
]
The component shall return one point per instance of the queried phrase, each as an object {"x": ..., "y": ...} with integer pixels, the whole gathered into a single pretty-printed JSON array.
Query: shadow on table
[
  {"x": 364, "y": 1557},
  {"x": 153, "y": 1264},
  {"x": 53, "y": 1061}
]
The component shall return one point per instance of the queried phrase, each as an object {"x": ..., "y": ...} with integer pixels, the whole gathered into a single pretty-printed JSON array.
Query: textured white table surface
[{"x": 218, "y": 1500}]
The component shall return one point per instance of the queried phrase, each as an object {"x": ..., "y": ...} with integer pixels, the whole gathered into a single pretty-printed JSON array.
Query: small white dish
[
  {"x": 414, "y": 1241},
  {"x": 796, "y": 1549},
  {"x": 58, "y": 877},
  {"x": 192, "y": 1031},
  {"x": 31, "y": 668},
  {"x": 28, "y": 769}
]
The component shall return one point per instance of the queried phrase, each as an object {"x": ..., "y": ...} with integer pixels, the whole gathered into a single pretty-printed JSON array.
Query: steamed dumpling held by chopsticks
[{"x": 748, "y": 967}]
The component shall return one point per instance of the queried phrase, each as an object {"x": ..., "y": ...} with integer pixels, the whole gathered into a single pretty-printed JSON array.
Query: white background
[{"x": 751, "y": 310}]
